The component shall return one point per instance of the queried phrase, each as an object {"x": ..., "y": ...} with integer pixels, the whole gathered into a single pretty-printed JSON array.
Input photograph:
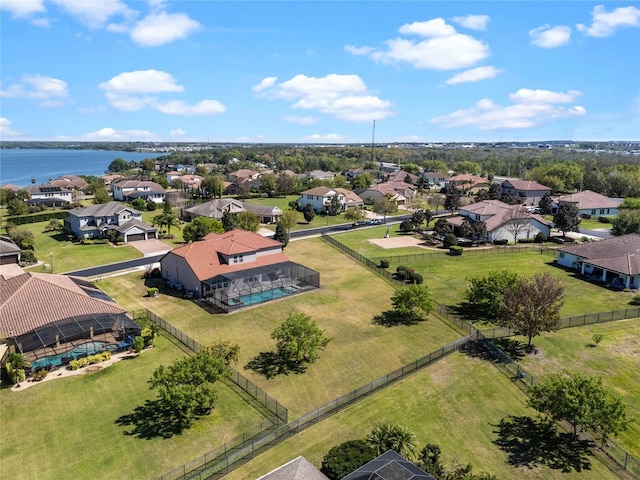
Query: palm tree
[
  {"x": 15, "y": 364},
  {"x": 166, "y": 219},
  {"x": 393, "y": 437}
]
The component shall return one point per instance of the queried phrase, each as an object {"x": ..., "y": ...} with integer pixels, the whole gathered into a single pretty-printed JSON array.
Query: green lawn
[
  {"x": 616, "y": 360},
  {"x": 456, "y": 403},
  {"x": 344, "y": 307},
  {"x": 594, "y": 224},
  {"x": 69, "y": 256},
  {"x": 66, "y": 428}
]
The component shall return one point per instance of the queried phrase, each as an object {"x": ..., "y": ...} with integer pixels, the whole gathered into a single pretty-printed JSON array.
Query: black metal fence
[
  {"x": 229, "y": 457},
  {"x": 279, "y": 411},
  {"x": 473, "y": 251}
]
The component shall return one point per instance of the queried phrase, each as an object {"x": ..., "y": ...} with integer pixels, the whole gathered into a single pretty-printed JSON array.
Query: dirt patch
[
  {"x": 397, "y": 242},
  {"x": 150, "y": 247}
]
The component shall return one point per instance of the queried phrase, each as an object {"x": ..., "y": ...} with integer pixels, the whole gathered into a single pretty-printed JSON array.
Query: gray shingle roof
[
  {"x": 620, "y": 254},
  {"x": 297, "y": 469}
]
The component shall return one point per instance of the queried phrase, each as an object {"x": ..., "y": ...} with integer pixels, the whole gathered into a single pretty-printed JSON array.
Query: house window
[
  {"x": 238, "y": 259},
  {"x": 602, "y": 211},
  {"x": 593, "y": 212},
  {"x": 561, "y": 254}
]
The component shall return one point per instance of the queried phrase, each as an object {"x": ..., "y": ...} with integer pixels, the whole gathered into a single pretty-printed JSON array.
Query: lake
[{"x": 19, "y": 166}]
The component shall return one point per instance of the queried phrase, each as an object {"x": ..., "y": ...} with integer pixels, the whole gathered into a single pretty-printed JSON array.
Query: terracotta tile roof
[
  {"x": 350, "y": 197},
  {"x": 589, "y": 200},
  {"x": 34, "y": 300},
  {"x": 620, "y": 254},
  {"x": 526, "y": 185}
]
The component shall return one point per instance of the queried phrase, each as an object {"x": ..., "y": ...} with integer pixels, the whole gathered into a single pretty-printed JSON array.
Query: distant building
[
  {"x": 321, "y": 197},
  {"x": 529, "y": 192},
  {"x": 589, "y": 203},
  {"x": 129, "y": 190},
  {"x": 95, "y": 221},
  {"x": 48, "y": 195}
]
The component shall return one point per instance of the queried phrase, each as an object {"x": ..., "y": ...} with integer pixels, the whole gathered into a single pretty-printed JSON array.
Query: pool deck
[{"x": 64, "y": 372}]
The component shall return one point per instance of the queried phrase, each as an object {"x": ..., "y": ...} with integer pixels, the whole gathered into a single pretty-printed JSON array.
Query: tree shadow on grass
[
  {"x": 154, "y": 419},
  {"x": 392, "y": 318},
  {"x": 270, "y": 364},
  {"x": 531, "y": 442},
  {"x": 516, "y": 349}
]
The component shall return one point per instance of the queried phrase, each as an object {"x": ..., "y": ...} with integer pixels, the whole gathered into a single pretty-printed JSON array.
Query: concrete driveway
[{"x": 150, "y": 247}]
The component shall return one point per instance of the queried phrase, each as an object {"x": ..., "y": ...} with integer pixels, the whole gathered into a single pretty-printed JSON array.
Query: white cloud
[
  {"x": 547, "y": 36},
  {"x": 41, "y": 22},
  {"x": 95, "y": 14},
  {"x": 341, "y": 96},
  {"x": 474, "y": 75},
  {"x": 109, "y": 133},
  {"x": 161, "y": 28},
  {"x": 266, "y": 83},
  {"x": 142, "y": 81},
  {"x": 329, "y": 137},
  {"x": 178, "y": 107},
  {"x": 6, "y": 129},
  {"x": 530, "y": 108},
  {"x": 132, "y": 91},
  {"x": 48, "y": 91},
  {"x": 300, "y": 120},
  {"x": 473, "y": 22},
  {"x": 604, "y": 24},
  {"x": 22, "y": 8},
  {"x": 527, "y": 95},
  {"x": 443, "y": 48},
  {"x": 178, "y": 132},
  {"x": 436, "y": 27},
  {"x": 359, "y": 50}
]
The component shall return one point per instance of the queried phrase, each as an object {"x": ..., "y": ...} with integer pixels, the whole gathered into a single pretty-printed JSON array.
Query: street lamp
[{"x": 51, "y": 257}]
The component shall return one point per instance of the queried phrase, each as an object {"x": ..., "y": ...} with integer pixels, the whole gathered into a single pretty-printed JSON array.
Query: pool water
[
  {"x": 265, "y": 296},
  {"x": 83, "y": 350}
]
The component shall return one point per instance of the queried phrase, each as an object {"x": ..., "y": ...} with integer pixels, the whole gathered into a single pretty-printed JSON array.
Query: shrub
[
  {"x": 39, "y": 375},
  {"x": 501, "y": 241},
  {"x": 450, "y": 240},
  {"x": 455, "y": 250},
  {"x": 604, "y": 219},
  {"x": 635, "y": 300},
  {"x": 27, "y": 256},
  {"x": 417, "y": 278},
  {"x": 526, "y": 240},
  {"x": 585, "y": 216},
  {"x": 540, "y": 237},
  {"x": 401, "y": 272},
  {"x": 384, "y": 263},
  {"x": 138, "y": 344}
]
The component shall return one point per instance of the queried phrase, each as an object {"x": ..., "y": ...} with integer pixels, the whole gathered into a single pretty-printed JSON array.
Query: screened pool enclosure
[
  {"x": 235, "y": 290},
  {"x": 63, "y": 340}
]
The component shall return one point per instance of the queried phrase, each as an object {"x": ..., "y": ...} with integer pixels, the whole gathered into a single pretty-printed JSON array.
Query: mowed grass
[
  {"x": 349, "y": 298},
  {"x": 69, "y": 256},
  {"x": 65, "y": 428},
  {"x": 456, "y": 403},
  {"x": 616, "y": 360}
]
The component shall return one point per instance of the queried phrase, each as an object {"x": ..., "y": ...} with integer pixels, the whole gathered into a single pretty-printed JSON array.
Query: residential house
[
  {"x": 589, "y": 203},
  {"x": 71, "y": 182},
  {"x": 399, "y": 192},
  {"x": 49, "y": 195},
  {"x": 243, "y": 175},
  {"x": 503, "y": 221},
  {"x": 528, "y": 191},
  {"x": 388, "y": 167},
  {"x": 402, "y": 176},
  {"x": 236, "y": 269},
  {"x": 214, "y": 209},
  {"x": 184, "y": 169},
  {"x": 436, "y": 179},
  {"x": 318, "y": 175},
  {"x": 95, "y": 221},
  {"x": 11, "y": 187},
  {"x": 297, "y": 469},
  {"x": 615, "y": 261},
  {"x": 321, "y": 198},
  {"x": 9, "y": 252},
  {"x": 129, "y": 190},
  {"x": 267, "y": 213},
  {"x": 468, "y": 184},
  {"x": 54, "y": 318}
]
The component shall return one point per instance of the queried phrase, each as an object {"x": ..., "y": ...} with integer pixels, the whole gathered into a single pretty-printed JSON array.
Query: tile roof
[
  {"x": 204, "y": 256},
  {"x": 108, "y": 209},
  {"x": 297, "y": 469},
  {"x": 526, "y": 185},
  {"x": 215, "y": 208},
  {"x": 589, "y": 200},
  {"x": 320, "y": 191},
  {"x": 33, "y": 300},
  {"x": 620, "y": 254},
  {"x": 498, "y": 212}
]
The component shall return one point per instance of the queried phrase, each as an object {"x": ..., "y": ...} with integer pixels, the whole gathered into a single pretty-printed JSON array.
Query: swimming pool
[
  {"x": 83, "y": 350},
  {"x": 259, "y": 297}
]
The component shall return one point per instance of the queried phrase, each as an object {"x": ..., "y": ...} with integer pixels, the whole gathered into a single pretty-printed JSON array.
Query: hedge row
[
  {"x": 90, "y": 360},
  {"x": 40, "y": 217}
]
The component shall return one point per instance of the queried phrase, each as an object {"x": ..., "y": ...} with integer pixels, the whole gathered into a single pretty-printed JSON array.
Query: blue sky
[{"x": 319, "y": 72}]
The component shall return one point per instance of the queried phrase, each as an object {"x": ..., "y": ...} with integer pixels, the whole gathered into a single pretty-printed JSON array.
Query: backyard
[{"x": 66, "y": 428}]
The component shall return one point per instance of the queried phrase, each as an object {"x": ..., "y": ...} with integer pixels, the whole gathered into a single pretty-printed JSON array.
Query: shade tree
[{"x": 299, "y": 340}]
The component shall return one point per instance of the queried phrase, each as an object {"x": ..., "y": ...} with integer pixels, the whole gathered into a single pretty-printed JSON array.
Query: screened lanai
[
  {"x": 235, "y": 290},
  {"x": 66, "y": 339}
]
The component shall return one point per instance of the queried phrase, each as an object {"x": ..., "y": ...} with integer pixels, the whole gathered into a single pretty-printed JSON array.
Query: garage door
[{"x": 137, "y": 236}]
